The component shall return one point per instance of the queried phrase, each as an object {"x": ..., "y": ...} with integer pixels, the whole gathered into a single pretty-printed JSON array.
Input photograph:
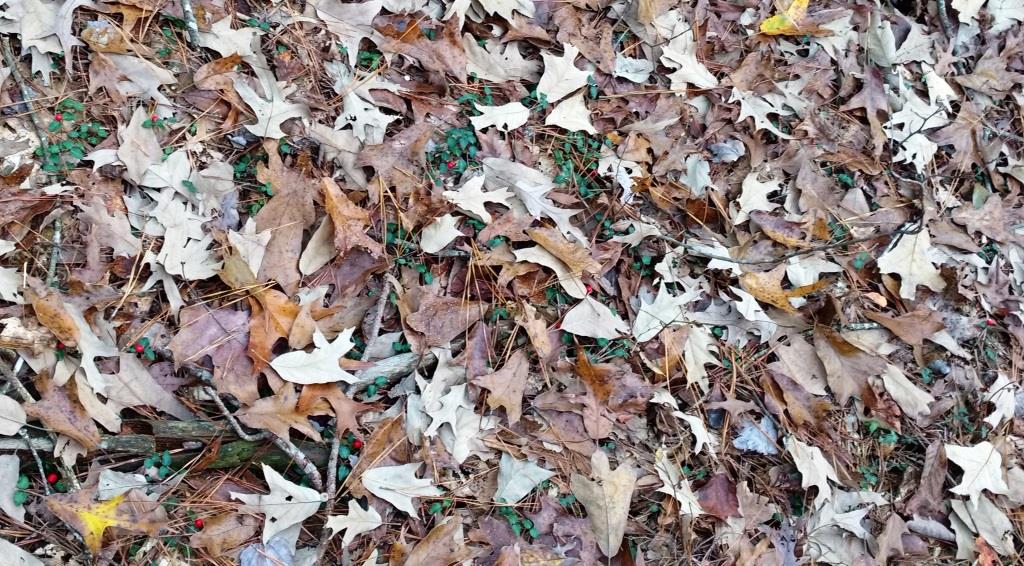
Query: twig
[
  {"x": 332, "y": 492},
  {"x": 51, "y": 270},
  {"x": 690, "y": 249},
  {"x": 947, "y": 24},
  {"x": 309, "y": 468},
  {"x": 190, "y": 22},
  {"x": 26, "y": 94},
  {"x": 35, "y": 455},
  {"x": 286, "y": 446},
  {"x": 235, "y": 425}
]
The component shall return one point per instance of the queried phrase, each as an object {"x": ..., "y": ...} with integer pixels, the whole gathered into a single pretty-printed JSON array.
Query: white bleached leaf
[
  {"x": 967, "y": 10},
  {"x": 911, "y": 260},
  {"x": 139, "y": 147},
  {"x": 753, "y": 106},
  {"x": 9, "y": 466},
  {"x": 113, "y": 483},
  {"x": 939, "y": 91},
  {"x": 756, "y": 437},
  {"x": 15, "y": 554},
  {"x": 505, "y": 117},
  {"x": 989, "y": 521},
  {"x": 1002, "y": 395},
  {"x": 355, "y": 523},
  {"x": 530, "y": 187},
  {"x": 270, "y": 113},
  {"x": 10, "y": 285},
  {"x": 471, "y": 198},
  {"x": 633, "y": 70},
  {"x": 517, "y": 478},
  {"x": 571, "y": 114},
  {"x": 698, "y": 353},
  {"x": 561, "y": 76},
  {"x": 439, "y": 233},
  {"x": 681, "y": 54},
  {"x": 592, "y": 319},
  {"x": 814, "y": 468},
  {"x": 398, "y": 485},
  {"x": 698, "y": 173},
  {"x": 665, "y": 310},
  {"x": 675, "y": 485},
  {"x": 506, "y": 8},
  {"x": 755, "y": 196},
  {"x": 227, "y": 41},
  {"x": 1005, "y": 14},
  {"x": 498, "y": 62},
  {"x": 320, "y": 365},
  {"x": 464, "y": 438},
  {"x": 700, "y": 432},
  {"x": 983, "y": 470},
  {"x": 446, "y": 409},
  {"x": 913, "y": 400},
  {"x": 250, "y": 245},
  {"x": 287, "y": 504}
]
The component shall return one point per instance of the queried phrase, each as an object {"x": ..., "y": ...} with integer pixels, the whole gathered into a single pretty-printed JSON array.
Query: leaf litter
[{"x": 509, "y": 282}]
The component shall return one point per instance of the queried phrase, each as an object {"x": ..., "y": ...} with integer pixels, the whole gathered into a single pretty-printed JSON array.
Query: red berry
[
  {"x": 198, "y": 523},
  {"x": 61, "y": 346},
  {"x": 154, "y": 117},
  {"x": 357, "y": 444},
  {"x": 58, "y": 117},
  {"x": 139, "y": 348},
  {"x": 990, "y": 322},
  {"x": 52, "y": 477},
  {"x": 451, "y": 164},
  {"x": 589, "y": 289}
]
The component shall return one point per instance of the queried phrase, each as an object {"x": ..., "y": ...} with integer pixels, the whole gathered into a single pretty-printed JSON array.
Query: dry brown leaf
[
  {"x": 51, "y": 313},
  {"x": 345, "y": 410},
  {"x": 444, "y": 544},
  {"x": 785, "y": 232},
  {"x": 443, "y": 54},
  {"x": 273, "y": 315},
  {"x": 847, "y": 367},
  {"x": 606, "y": 498},
  {"x": 103, "y": 73},
  {"x": 349, "y": 220},
  {"x": 278, "y": 414},
  {"x": 222, "y": 334},
  {"x": 59, "y": 409},
  {"x": 766, "y": 286},
  {"x": 287, "y": 215},
  {"x": 507, "y": 385},
  {"x": 912, "y": 327},
  {"x": 223, "y": 535},
  {"x": 536, "y": 329},
  {"x": 387, "y": 444},
  {"x": 441, "y": 319}
]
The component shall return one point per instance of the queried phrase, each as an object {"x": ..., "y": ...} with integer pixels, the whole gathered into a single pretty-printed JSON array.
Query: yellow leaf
[
  {"x": 786, "y": 22},
  {"x": 91, "y": 518},
  {"x": 766, "y": 286}
]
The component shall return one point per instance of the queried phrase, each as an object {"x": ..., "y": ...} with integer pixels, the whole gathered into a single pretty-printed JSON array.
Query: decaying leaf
[
  {"x": 287, "y": 504},
  {"x": 398, "y": 485},
  {"x": 132, "y": 511}
]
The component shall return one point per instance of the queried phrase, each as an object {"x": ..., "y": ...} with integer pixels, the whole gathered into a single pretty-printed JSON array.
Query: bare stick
[
  {"x": 190, "y": 22},
  {"x": 51, "y": 271},
  {"x": 231, "y": 418},
  {"x": 332, "y": 492},
  {"x": 26, "y": 93},
  {"x": 39, "y": 461}
]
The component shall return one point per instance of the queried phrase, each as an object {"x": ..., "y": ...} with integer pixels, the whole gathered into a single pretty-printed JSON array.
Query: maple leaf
[
  {"x": 507, "y": 385},
  {"x": 356, "y": 522},
  {"x": 270, "y": 112},
  {"x": 815, "y": 470},
  {"x": 681, "y": 54},
  {"x": 439, "y": 233},
  {"x": 350, "y": 221},
  {"x": 531, "y": 186},
  {"x": 287, "y": 504},
  {"x": 911, "y": 258},
  {"x": 320, "y": 365},
  {"x": 471, "y": 198},
  {"x": 983, "y": 470},
  {"x": 278, "y": 414},
  {"x": 398, "y": 485},
  {"x": 561, "y": 77},
  {"x": 131, "y": 511}
]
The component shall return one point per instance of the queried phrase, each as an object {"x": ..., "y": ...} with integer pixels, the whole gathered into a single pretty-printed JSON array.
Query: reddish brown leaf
[
  {"x": 60, "y": 411},
  {"x": 718, "y": 497},
  {"x": 912, "y": 327}
]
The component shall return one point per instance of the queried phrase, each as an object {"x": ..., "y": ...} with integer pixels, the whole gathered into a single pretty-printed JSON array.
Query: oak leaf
[
  {"x": 507, "y": 385},
  {"x": 606, "y": 499},
  {"x": 278, "y": 414},
  {"x": 350, "y": 221},
  {"x": 131, "y": 511}
]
